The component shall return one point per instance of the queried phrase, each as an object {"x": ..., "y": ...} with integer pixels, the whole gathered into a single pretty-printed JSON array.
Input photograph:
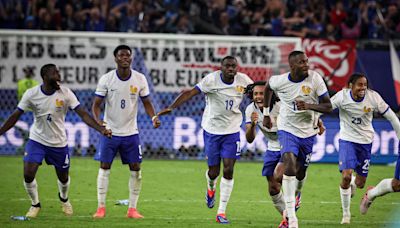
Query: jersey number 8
[{"x": 122, "y": 103}]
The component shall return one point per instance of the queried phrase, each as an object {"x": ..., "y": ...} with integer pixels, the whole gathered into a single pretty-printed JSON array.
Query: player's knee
[
  {"x": 105, "y": 165},
  {"x": 212, "y": 174},
  {"x": 228, "y": 172},
  {"x": 134, "y": 166},
  {"x": 274, "y": 189},
  {"x": 300, "y": 175},
  {"x": 28, "y": 178},
  {"x": 290, "y": 171},
  {"x": 346, "y": 179},
  {"x": 396, "y": 185},
  {"x": 63, "y": 180},
  {"x": 360, "y": 183}
]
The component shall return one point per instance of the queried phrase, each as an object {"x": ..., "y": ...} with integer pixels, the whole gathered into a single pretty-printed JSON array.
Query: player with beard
[
  {"x": 303, "y": 94},
  {"x": 356, "y": 106},
  {"x": 49, "y": 103},
  {"x": 224, "y": 91},
  {"x": 273, "y": 166}
]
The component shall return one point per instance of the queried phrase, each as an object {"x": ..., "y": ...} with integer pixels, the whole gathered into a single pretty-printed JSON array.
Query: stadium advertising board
[
  {"x": 184, "y": 131},
  {"x": 173, "y": 62}
]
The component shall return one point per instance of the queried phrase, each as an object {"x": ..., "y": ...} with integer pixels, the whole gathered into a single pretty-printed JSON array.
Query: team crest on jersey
[
  {"x": 306, "y": 90},
  {"x": 59, "y": 105},
  {"x": 133, "y": 89},
  {"x": 367, "y": 110},
  {"x": 240, "y": 89}
]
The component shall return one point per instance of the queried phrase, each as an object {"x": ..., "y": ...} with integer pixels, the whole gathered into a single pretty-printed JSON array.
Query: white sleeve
[
  {"x": 272, "y": 82},
  {"x": 25, "y": 104},
  {"x": 145, "y": 90},
  {"x": 321, "y": 86},
  {"x": 248, "y": 80},
  {"x": 337, "y": 99},
  {"x": 73, "y": 102},
  {"x": 101, "y": 89},
  {"x": 248, "y": 113},
  {"x": 391, "y": 116},
  {"x": 381, "y": 106},
  {"x": 204, "y": 84}
]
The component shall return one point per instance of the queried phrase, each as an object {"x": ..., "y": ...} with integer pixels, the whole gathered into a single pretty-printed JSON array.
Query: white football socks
[
  {"x": 345, "y": 196},
  {"x": 102, "y": 186},
  {"x": 135, "y": 184},
  {"x": 226, "y": 187},
  {"x": 300, "y": 183},
  {"x": 384, "y": 187},
  {"x": 289, "y": 189},
  {"x": 211, "y": 184},
  {"x": 278, "y": 202},
  {"x": 32, "y": 190},
  {"x": 63, "y": 189}
]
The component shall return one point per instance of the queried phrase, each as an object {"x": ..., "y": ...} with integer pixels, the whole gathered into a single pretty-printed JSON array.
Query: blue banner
[{"x": 182, "y": 133}]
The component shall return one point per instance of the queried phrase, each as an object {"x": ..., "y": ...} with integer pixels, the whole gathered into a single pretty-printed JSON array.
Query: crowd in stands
[{"x": 330, "y": 19}]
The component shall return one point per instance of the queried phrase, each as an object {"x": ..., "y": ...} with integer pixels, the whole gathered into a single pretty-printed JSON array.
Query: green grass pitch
[{"x": 173, "y": 196}]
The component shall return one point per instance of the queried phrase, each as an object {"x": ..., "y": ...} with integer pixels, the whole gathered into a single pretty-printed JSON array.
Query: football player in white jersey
[
  {"x": 303, "y": 93},
  {"x": 384, "y": 187},
  {"x": 121, "y": 89},
  {"x": 273, "y": 166},
  {"x": 356, "y": 105},
  {"x": 49, "y": 103},
  {"x": 224, "y": 91}
]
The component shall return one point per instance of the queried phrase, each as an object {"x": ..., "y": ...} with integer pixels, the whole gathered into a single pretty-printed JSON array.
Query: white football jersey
[
  {"x": 299, "y": 123},
  {"x": 121, "y": 101},
  {"x": 356, "y": 116},
  {"x": 49, "y": 112},
  {"x": 222, "y": 115},
  {"x": 270, "y": 134}
]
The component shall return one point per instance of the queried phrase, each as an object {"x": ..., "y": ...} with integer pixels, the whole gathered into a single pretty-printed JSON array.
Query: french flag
[{"x": 394, "y": 58}]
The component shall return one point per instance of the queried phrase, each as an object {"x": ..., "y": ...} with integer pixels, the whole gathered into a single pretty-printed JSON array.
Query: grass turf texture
[{"x": 173, "y": 196}]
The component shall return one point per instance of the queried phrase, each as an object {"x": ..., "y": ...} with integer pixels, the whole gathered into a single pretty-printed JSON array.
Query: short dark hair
[
  {"x": 354, "y": 77},
  {"x": 228, "y": 57},
  {"x": 122, "y": 47},
  {"x": 294, "y": 54},
  {"x": 46, "y": 69}
]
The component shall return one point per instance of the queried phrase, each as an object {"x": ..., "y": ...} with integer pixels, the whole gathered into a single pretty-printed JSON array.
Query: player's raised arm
[
  {"x": 149, "y": 108},
  {"x": 182, "y": 98},
  {"x": 391, "y": 116},
  {"x": 11, "y": 121},
  {"x": 92, "y": 122},
  {"x": 267, "y": 102},
  {"x": 251, "y": 128}
]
